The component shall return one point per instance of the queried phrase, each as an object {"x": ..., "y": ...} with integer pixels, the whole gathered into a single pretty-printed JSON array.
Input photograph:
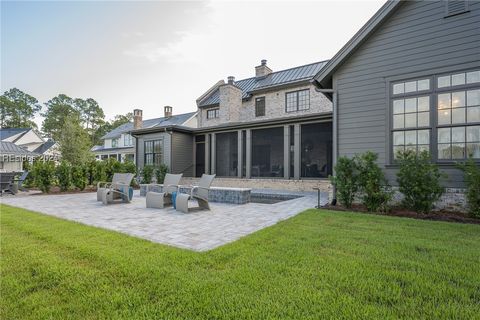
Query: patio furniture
[
  {"x": 199, "y": 193},
  {"x": 161, "y": 199},
  {"x": 119, "y": 188},
  {"x": 19, "y": 182},
  {"x": 6, "y": 182}
]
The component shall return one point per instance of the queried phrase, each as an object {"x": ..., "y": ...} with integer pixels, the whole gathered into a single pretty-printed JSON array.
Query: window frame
[
  {"x": 127, "y": 138},
  {"x": 296, "y": 92},
  {"x": 259, "y": 108},
  {"x": 216, "y": 113},
  {"x": 153, "y": 153},
  {"x": 115, "y": 145}
]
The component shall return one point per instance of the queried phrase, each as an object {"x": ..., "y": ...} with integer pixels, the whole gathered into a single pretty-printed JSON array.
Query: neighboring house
[
  {"x": 410, "y": 79},
  {"x": 30, "y": 140},
  {"x": 120, "y": 144},
  {"x": 273, "y": 125},
  {"x": 12, "y": 157}
]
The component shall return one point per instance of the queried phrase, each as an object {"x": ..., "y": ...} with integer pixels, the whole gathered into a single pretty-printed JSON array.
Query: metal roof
[
  {"x": 44, "y": 147},
  {"x": 292, "y": 75},
  {"x": 9, "y": 148},
  {"x": 178, "y": 119},
  {"x": 8, "y": 132}
]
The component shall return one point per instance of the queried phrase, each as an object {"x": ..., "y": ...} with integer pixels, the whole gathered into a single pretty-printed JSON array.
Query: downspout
[{"x": 335, "y": 135}]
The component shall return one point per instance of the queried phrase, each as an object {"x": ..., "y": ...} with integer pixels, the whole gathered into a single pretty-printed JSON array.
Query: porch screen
[
  {"x": 267, "y": 152},
  {"x": 226, "y": 160},
  {"x": 316, "y": 149}
]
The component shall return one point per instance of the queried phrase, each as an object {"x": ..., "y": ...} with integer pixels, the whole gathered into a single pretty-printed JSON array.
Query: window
[
  {"x": 459, "y": 142},
  {"x": 411, "y": 86},
  {"x": 415, "y": 140},
  {"x": 114, "y": 143},
  {"x": 127, "y": 140},
  {"x": 297, "y": 100},
  {"x": 213, "y": 113},
  {"x": 411, "y": 112},
  {"x": 458, "y": 79},
  {"x": 153, "y": 152},
  {"x": 260, "y": 107}
]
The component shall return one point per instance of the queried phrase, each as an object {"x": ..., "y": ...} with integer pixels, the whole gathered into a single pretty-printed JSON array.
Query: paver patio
[{"x": 199, "y": 230}]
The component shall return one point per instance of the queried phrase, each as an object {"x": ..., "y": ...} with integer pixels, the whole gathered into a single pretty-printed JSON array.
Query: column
[
  {"x": 248, "y": 164},
  {"x": 194, "y": 153},
  {"x": 296, "y": 152},
  {"x": 214, "y": 153},
  {"x": 207, "y": 153},
  {"x": 239, "y": 154},
  {"x": 286, "y": 152}
]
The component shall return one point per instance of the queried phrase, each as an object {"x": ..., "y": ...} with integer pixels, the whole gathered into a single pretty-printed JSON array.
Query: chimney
[
  {"x": 231, "y": 80},
  {"x": 168, "y": 111},
  {"x": 137, "y": 119},
  {"x": 262, "y": 70}
]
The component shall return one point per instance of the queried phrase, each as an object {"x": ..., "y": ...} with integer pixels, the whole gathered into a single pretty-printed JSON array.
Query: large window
[
  {"x": 226, "y": 150},
  {"x": 115, "y": 143},
  {"x": 316, "y": 145},
  {"x": 127, "y": 140},
  {"x": 153, "y": 152},
  {"x": 260, "y": 107},
  {"x": 297, "y": 100},
  {"x": 267, "y": 152},
  {"x": 213, "y": 113}
]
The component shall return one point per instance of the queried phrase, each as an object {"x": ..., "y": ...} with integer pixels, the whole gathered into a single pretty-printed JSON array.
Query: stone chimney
[
  {"x": 262, "y": 70},
  {"x": 230, "y": 101},
  {"x": 168, "y": 111},
  {"x": 137, "y": 119}
]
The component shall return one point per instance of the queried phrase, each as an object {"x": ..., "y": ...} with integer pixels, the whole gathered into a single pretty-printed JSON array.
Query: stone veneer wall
[{"x": 451, "y": 200}]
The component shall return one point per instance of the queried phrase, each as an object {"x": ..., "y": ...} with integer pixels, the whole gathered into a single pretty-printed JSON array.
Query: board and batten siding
[
  {"x": 416, "y": 40},
  {"x": 182, "y": 154},
  {"x": 166, "y": 155}
]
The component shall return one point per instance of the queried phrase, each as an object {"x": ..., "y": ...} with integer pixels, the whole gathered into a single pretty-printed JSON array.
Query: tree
[
  {"x": 59, "y": 109},
  {"x": 74, "y": 142},
  {"x": 104, "y": 128},
  {"x": 93, "y": 118},
  {"x": 18, "y": 109}
]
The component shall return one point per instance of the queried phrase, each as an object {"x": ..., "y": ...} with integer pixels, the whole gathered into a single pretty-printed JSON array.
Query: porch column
[
  {"x": 214, "y": 154},
  {"x": 286, "y": 152},
  {"x": 248, "y": 162},
  {"x": 207, "y": 153},
  {"x": 194, "y": 156},
  {"x": 239, "y": 154},
  {"x": 296, "y": 152}
]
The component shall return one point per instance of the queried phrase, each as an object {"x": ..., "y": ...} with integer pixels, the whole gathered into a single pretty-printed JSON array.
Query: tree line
[{"x": 76, "y": 124}]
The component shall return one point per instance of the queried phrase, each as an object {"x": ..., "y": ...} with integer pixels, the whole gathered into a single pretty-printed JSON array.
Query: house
[
  {"x": 270, "y": 130},
  {"x": 120, "y": 144},
  {"x": 409, "y": 79},
  {"x": 13, "y": 156},
  {"x": 30, "y": 140}
]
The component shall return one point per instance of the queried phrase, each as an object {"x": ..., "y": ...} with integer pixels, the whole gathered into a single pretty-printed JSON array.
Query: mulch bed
[
  {"x": 56, "y": 190},
  {"x": 442, "y": 215}
]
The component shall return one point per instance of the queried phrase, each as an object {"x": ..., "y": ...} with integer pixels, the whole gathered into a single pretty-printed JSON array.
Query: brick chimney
[
  {"x": 262, "y": 70},
  {"x": 168, "y": 111},
  {"x": 230, "y": 101},
  {"x": 137, "y": 119}
]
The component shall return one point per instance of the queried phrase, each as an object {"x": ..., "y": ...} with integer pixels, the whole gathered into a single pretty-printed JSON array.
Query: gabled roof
[
  {"x": 9, "y": 148},
  {"x": 325, "y": 74},
  {"x": 292, "y": 75},
  {"x": 9, "y": 132},
  {"x": 44, "y": 147},
  {"x": 178, "y": 119}
]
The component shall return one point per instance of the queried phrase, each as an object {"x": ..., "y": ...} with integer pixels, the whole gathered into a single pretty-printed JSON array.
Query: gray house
[{"x": 409, "y": 79}]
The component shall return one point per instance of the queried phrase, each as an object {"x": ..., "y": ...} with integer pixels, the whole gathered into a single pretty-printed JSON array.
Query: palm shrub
[
  {"x": 64, "y": 175},
  {"x": 375, "y": 191},
  {"x": 471, "y": 172},
  {"x": 160, "y": 173},
  {"x": 419, "y": 181},
  {"x": 147, "y": 173},
  {"x": 345, "y": 180},
  {"x": 100, "y": 172},
  {"x": 79, "y": 176},
  {"x": 44, "y": 173}
]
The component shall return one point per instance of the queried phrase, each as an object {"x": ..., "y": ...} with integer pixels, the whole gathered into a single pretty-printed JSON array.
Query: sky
[{"x": 148, "y": 54}]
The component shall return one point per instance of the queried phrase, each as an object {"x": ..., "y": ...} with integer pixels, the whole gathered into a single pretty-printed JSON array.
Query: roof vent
[
  {"x": 231, "y": 80},
  {"x": 454, "y": 7},
  {"x": 168, "y": 111}
]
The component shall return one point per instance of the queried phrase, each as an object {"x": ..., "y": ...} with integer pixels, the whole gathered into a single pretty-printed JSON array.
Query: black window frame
[
  {"x": 215, "y": 111},
  {"x": 297, "y": 101},
  {"x": 260, "y": 107},
  {"x": 152, "y": 153}
]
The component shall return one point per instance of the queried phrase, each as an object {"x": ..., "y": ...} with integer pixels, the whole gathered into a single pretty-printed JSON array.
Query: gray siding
[
  {"x": 182, "y": 154},
  {"x": 415, "y": 41},
  {"x": 154, "y": 136}
]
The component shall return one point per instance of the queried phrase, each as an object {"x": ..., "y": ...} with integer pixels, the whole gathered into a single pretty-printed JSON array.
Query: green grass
[{"x": 318, "y": 264}]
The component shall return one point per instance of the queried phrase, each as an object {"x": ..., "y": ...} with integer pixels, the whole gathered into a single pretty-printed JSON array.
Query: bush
[
  {"x": 112, "y": 166},
  {"x": 471, "y": 172},
  {"x": 30, "y": 180},
  {"x": 79, "y": 176},
  {"x": 160, "y": 173},
  {"x": 345, "y": 180},
  {"x": 44, "y": 173},
  {"x": 419, "y": 181},
  {"x": 147, "y": 174},
  {"x": 100, "y": 172},
  {"x": 64, "y": 175},
  {"x": 376, "y": 193},
  {"x": 90, "y": 171}
]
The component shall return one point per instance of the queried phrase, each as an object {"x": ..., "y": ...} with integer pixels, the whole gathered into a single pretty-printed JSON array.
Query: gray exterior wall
[
  {"x": 140, "y": 150},
  {"x": 182, "y": 154},
  {"x": 416, "y": 41}
]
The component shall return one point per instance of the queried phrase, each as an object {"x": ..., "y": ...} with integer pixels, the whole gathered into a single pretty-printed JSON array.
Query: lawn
[{"x": 319, "y": 264}]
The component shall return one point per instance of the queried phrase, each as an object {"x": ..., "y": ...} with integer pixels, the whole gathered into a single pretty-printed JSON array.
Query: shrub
[
  {"x": 345, "y": 180},
  {"x": 30, "y": 180},
  {"x": 90, "y": 171},
  {"x": 112, "y": 166},
  {"x": 79, "y": 176},
  {"x": 100, "y": 172},
  {"x": 160, "y": 173},
  {"x": 471, "y": 172},
  {"x": 376, "y": 193},
  {"x": 419, "y": 181},
  {"x": 129, "y": 167},
  {"x": 147, "y": 174},
  {"x": 64, "y": 175},
  {"x": 44, "y": 173}
]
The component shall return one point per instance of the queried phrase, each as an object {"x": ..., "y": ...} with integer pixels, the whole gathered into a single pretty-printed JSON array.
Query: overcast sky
[{"x": 146, "y": 55}]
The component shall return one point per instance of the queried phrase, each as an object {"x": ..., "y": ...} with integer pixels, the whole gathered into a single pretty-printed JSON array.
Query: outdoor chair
[
  {"x": 199, "y": 192},
  {"x": 6, "y": 182},
  {"x": 119, "y": 188},
  {"x": 161, "y": 199},
  {"x": 20, "y": 181}
]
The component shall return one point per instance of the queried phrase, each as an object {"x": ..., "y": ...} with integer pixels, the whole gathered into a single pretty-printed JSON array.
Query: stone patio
[{"x": 198, "y": 230}]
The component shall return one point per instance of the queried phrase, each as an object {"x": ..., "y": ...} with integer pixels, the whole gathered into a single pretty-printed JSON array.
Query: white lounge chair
[
  {"x": 199, "y": 192},
  {"x": 119, "y": 188},
  {"x": 161, "y": 199}
]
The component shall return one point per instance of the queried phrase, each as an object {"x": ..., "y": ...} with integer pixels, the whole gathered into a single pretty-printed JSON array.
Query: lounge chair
[
  {"x": 161, "y": 199},
  {"x": 20, "y": 181},
  {"x": 119, "y": 188},
  {"x": 6, "y": 182},
  {"x": 199, "y": 192}
]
